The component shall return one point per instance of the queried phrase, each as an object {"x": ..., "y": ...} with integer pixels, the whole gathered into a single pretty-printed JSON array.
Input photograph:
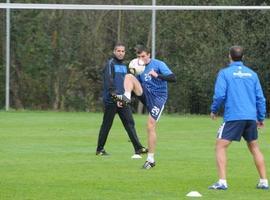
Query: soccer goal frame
[{"x": 153, "y": 8}]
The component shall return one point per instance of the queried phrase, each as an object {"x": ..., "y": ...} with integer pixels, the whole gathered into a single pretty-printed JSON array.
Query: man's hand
[
  {"x": 260, "y": 124},
  {"x": 119, "y": 104},
  {"x": 153, "y": 73},
  {"x": 213, "y": 116}
]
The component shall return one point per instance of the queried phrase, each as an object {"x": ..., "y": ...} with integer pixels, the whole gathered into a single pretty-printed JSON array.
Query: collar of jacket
[
  {"x": 120, "y": 61},
  {"x": 236, "y": 63}
]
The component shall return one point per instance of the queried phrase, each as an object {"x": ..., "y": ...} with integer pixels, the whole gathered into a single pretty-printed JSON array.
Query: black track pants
[{"x": 126, "y": 117}]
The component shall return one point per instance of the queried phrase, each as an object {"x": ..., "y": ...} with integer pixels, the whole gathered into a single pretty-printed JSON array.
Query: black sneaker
[
  {"x": 142, "y": 150},
  {"x": 122, "y": 98},
  {"x": 148, "y": 165},
  {"x": 102, "y": 153}
]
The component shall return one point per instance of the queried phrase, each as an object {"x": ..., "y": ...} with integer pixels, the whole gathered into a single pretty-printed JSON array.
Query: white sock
[
  {"x": 128, "y": 95},
  {"x": 264, "y": 181},
  {"x": 223, "y": 181},
  {"x": 150, "y": 157}
]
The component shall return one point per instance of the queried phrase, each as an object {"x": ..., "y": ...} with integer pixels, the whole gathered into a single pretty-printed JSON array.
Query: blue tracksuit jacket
[
  {"x": 113, "y": 79},
  {"x": 238, "y": 88}
]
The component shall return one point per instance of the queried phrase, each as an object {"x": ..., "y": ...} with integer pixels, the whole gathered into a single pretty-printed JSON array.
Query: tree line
[{"x": 57, "y": 56}]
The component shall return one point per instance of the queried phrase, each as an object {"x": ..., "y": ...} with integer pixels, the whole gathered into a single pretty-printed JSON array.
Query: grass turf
[{"x": 51, "y": 155}]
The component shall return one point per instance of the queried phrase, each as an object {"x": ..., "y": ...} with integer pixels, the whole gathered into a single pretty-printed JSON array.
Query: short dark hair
[
  {"x": 236, "y": 53},
  {"x": 119, "y": 44},
  {"x": 141, "y": 48}
]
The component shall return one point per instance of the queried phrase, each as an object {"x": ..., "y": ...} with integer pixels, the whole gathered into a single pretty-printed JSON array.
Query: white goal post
[
  {"x": 154, "y": 8},
  {"x": 123, "y": 7}
]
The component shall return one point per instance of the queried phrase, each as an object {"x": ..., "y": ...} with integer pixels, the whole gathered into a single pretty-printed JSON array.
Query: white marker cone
[
  {"x": 136, "y": 156},
  {"x": 194, "y": 194}
]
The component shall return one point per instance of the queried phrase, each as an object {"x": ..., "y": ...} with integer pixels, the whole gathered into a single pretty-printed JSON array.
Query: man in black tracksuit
[{"x": 113, "y": 78}]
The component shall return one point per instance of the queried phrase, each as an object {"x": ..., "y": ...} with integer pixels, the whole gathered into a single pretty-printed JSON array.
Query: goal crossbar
[{"x": 123, "y": 7}]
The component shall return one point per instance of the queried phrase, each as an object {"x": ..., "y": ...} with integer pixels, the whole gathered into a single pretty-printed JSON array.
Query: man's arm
[
  {"x": 164, "y": 73},
  {"x": 109, "y": 76},
  {"x": 260, "y": 102},
  {"x": 169, "y": 78},
  {"x": 260, "y": 124},
  {"x": 220, "y": 93},
  {"x": 213, "y": 116}
]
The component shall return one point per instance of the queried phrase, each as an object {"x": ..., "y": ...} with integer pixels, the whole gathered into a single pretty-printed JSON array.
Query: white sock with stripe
[
  {"x": 264, "y": 181},
  {"x": 150, "y": 157},
  {"x": 223, "y": 182},
  {"x": 128, "y": 95}
]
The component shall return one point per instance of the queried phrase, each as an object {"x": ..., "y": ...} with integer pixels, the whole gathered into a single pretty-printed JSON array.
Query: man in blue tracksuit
[
  {"x": 238, "y": 89},
  {"x": 113, "y": 78}
]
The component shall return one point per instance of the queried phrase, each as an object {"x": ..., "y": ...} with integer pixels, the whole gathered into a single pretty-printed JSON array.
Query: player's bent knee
[
  {"x": 129, "y": 76},
  {"x": 140, "y": 92}
]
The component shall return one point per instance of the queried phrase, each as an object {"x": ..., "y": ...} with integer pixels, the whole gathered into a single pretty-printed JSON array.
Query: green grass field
[{"x": 51, "y": 155}]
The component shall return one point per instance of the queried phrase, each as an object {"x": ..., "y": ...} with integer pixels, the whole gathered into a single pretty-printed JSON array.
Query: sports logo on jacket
[{"x": 241, "y": 74}]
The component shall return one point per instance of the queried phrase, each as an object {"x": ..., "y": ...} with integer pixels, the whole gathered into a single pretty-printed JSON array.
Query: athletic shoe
[
  {"x": 122, "y": 98},
  {"x": 218, "y": 186},
  {"x": 102, "y": 153},
  {"x": 142, "y": 150},
  {"x": 148, "y": 165},
  {"x": 262, "y": 186}
]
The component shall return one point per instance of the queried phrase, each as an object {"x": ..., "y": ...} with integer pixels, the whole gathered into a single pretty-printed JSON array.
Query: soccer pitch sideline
[{"x": 51, "y": 155}]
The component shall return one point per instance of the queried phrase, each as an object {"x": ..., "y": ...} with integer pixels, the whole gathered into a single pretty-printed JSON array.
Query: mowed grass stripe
[{"x": 51, "y": 155}]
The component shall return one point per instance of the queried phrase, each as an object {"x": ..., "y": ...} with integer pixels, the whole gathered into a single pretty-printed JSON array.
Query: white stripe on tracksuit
[
  {"x": 220, "y": 130},
  {"x": 160, "y": 113}
]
